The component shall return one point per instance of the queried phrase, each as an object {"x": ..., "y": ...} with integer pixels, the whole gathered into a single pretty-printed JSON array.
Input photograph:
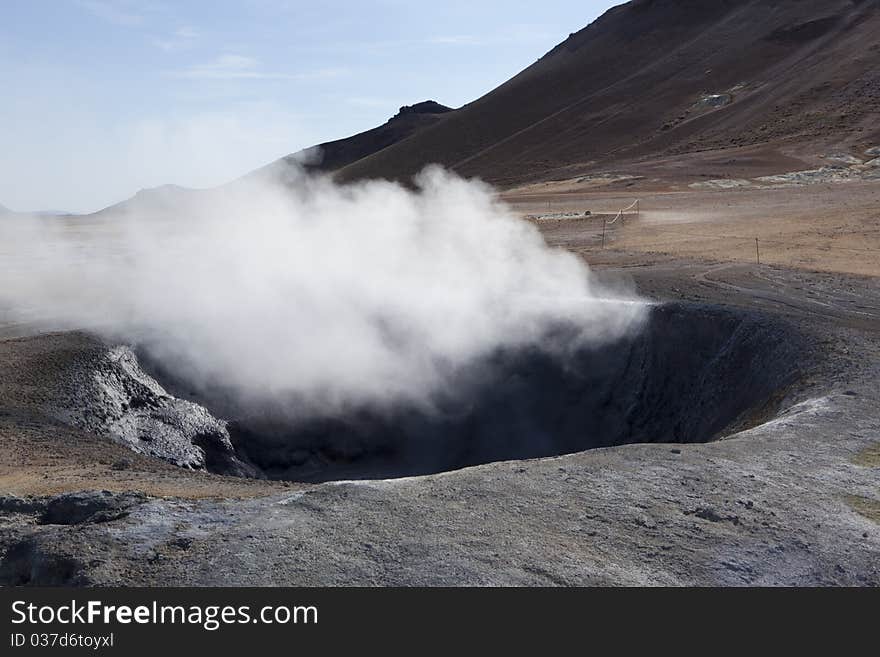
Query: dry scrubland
[{"x": 823, "y": 227}]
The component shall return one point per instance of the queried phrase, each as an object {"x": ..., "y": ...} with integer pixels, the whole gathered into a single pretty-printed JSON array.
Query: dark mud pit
[{"x": 691, "y": 374}]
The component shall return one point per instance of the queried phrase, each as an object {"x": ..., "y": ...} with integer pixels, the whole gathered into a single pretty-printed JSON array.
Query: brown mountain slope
[
  {"x": 660, "y": 78},
  {"x": 410, "y": 120}
]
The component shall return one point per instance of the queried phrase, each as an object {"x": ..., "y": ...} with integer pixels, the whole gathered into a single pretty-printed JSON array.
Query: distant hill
[
  {"x": 653, "y": 87},
  {"x": 654, "y": 79},
  {"x": 326, "y": 157},
  {"x": 155, "y": 199},
  {"x": 333, "y": 155},
  {"x": 38, "y": 213}
]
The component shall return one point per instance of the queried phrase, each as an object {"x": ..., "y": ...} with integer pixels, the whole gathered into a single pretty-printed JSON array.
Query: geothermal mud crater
[{"x": 691, "y": 374}]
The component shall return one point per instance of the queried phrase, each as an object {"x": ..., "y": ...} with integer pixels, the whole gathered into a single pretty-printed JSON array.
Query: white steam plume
[{"x": 329, "y": 296}]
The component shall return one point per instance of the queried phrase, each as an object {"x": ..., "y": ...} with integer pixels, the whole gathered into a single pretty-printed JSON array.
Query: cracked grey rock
[
  {"x": 89, "y": 506},
  {"x": 106, "y": 392}
]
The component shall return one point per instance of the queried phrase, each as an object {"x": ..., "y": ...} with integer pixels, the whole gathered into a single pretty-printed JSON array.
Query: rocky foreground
[{"x": 794, "y": 500}]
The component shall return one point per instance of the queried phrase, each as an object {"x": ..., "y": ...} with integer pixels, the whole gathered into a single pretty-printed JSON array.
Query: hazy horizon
[{"x": 113, "y": 96}]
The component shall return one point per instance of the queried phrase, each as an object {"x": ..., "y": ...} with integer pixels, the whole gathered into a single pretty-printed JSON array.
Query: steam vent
[{"x": 690, "y": 374}]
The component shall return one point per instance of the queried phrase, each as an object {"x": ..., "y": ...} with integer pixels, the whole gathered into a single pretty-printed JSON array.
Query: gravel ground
[{"x": 794, "y": 500}]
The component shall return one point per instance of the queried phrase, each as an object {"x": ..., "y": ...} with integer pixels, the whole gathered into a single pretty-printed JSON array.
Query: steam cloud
[{"x": 305, "y": 291}]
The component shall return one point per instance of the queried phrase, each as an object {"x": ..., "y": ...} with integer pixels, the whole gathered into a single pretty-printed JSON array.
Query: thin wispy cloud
[
  {"x": 520, "y": 34},
  {"x": 113, "y": 12},
  {"x": 181, "y": 39},
  {"x": 241, "y": 67},
  {"x": 366, "y": 101},
  {"x": 456, "y": 40}
]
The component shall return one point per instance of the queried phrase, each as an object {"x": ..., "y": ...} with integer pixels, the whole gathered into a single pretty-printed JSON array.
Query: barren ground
[
  {"x": 825, "y": 227},
  {"x": 792, "y": 501}
]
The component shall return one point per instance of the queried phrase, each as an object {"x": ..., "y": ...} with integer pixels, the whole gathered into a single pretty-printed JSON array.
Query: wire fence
[
  {"x": 746, "y": 239},
  {"x": 766, "y": 246},
  {"x": 620, "y": 213}
]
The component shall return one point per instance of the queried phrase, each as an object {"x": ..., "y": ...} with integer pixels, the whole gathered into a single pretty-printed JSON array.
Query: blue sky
[{"x": 105, "y": 97}]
